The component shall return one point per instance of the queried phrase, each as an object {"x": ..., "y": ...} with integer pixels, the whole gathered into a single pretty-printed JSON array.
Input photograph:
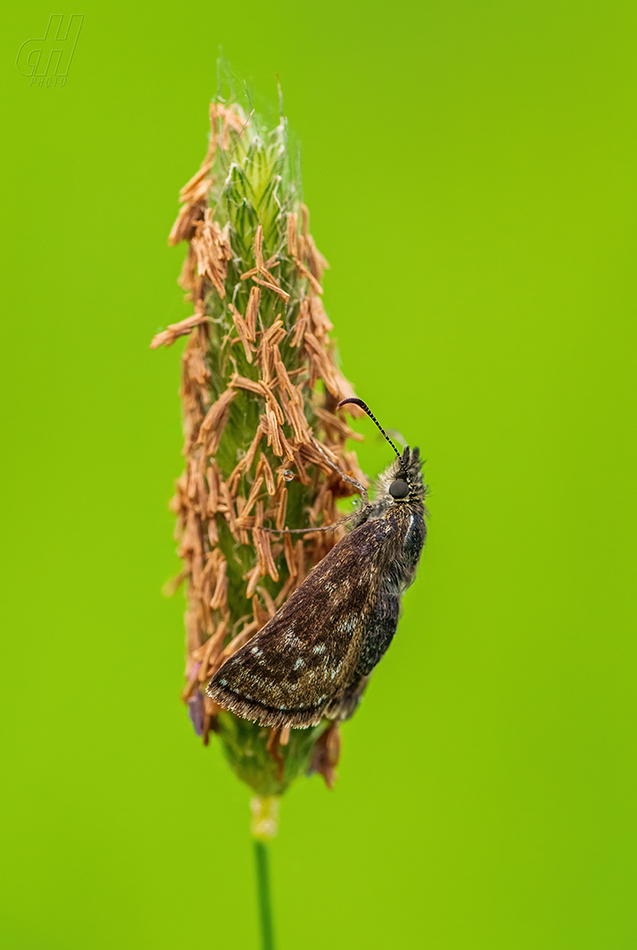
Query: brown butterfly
[{"x": 314, "y": 658}]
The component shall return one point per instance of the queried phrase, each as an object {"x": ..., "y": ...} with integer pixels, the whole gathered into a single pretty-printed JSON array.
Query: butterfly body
[{"x": 314, "y": 657}]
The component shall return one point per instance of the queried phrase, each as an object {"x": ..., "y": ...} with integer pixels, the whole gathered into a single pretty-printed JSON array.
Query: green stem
[{"x": 262, "y": 858}]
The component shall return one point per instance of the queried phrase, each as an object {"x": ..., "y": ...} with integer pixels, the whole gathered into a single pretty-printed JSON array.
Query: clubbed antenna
[{"x": 362, "y": 405}]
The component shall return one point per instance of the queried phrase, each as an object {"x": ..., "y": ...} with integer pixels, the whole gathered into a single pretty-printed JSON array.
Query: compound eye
[{"x": 399, "y": 488}]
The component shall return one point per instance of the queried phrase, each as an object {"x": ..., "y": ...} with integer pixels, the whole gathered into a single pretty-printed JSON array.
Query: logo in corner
[{"x": 47, "y": 60}]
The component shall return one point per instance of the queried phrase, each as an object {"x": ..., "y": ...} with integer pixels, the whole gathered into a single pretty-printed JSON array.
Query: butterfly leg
[
  {"x": 346, "y": 478},
  {"x": 358, "y": 516}
]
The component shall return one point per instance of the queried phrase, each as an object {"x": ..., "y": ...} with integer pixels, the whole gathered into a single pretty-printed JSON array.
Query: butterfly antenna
[{"x": 359, "y": 402}]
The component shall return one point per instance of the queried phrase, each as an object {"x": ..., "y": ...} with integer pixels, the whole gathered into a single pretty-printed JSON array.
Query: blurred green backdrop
[{"x": 470, "y": 169}]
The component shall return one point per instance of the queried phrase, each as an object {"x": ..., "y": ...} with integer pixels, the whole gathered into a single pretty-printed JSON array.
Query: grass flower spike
[{"x": 260, "y": 389}]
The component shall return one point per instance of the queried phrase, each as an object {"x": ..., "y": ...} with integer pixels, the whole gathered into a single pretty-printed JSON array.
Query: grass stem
[{"x": 264, "y": 895}]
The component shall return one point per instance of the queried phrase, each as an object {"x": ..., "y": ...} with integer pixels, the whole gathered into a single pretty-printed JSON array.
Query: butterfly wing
[{"x": 290, "y": 672}]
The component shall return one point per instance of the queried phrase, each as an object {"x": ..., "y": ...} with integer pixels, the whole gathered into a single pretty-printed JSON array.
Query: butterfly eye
[{"x": 399, "y": 488}]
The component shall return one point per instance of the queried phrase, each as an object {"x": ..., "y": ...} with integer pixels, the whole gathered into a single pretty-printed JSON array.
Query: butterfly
[{"x": 314, "y": 658}]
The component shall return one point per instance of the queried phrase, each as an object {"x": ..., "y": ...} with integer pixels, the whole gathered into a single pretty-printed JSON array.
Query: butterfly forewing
[{"x": 291, "y": 671}]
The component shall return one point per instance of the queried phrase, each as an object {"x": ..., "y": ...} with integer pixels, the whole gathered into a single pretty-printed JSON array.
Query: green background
[{"x": 470, "y": 168}]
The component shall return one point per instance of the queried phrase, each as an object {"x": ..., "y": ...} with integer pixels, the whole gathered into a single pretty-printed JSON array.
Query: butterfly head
[{"x": 402, "y": 480}]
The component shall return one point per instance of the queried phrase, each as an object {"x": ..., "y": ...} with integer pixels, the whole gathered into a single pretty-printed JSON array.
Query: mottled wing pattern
[{"x": 306, "y": 656}]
